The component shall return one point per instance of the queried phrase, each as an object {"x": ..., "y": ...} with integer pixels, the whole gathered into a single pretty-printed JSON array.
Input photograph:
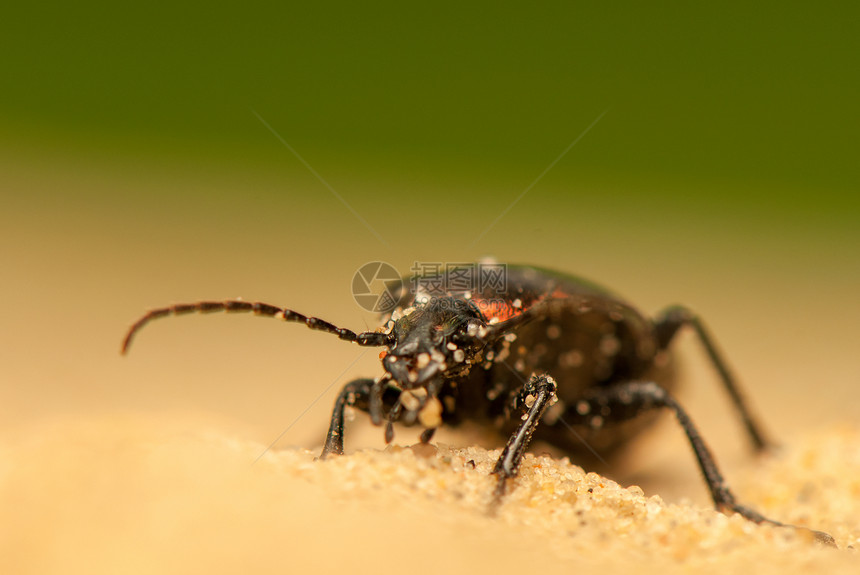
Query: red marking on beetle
[
  {"x": 503, "y": 310},
  {"x": 558, "y": 293},
  {"x": 498, "y": 309}
]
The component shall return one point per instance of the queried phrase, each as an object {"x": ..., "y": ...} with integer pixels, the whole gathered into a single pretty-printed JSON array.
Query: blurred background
[{"x": 154, "y": 154}]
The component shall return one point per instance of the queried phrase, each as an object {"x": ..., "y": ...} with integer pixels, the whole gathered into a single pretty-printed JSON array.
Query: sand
[{"x": 142, "y": 494}]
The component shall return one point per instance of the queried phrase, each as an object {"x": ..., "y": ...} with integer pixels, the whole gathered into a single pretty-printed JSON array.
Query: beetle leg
[
  {"x": 393, "y": 415},
  {"x": 427, "y": 434},
  {"x": 375, "y": 402},
  {"x": 532, "y": 401},
  {"x": 627, "y": 400},
  {"x": 623, "y": 401},
  {"x": 356, "y": 393},
  {"x": 667, "y": 325},
  {"x": 364, "y": 394}
]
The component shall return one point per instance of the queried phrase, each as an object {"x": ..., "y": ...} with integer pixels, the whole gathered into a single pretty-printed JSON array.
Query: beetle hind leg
[{"x": 667, "y": 325}]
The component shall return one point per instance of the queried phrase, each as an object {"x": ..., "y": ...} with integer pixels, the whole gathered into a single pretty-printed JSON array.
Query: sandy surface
[{"x": 132, "y": 494}]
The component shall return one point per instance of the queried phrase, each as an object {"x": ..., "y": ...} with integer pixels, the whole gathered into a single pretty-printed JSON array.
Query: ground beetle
[{"x": 551, "y": 356}]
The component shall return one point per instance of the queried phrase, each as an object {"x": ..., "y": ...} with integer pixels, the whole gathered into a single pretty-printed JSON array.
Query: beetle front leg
[
  {"x": 356, "y": 393},
  {"x": 532, "y": 401},
  {"x": 364, "y": 394}
]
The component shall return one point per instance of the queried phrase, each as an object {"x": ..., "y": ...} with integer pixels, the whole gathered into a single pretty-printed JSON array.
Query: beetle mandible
[{"x": 548, "y": 354}]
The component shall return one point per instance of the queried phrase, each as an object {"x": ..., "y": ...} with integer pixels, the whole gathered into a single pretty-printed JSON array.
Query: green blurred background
[
  {"x": 139, "y": 169},
  {"x": 763, "y": 95}
]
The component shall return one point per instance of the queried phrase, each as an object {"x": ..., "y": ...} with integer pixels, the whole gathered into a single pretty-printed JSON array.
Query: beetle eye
[{"x": 465, "y": 333}]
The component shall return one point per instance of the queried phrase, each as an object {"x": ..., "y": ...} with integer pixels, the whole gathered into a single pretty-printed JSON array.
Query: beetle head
[{"x": 441, "y": 338}]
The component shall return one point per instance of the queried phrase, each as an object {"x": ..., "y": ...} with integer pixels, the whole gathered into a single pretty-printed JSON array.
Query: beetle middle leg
[
  {"x": 623, "y": 401},
  {"x": 531, "y": 401}
]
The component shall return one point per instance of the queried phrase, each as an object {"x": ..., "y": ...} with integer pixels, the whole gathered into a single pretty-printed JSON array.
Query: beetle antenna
[{"x": 367, "y": 338}]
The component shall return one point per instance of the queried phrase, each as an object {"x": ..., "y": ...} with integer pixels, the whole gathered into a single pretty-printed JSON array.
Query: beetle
[{"x": 546, "y": 356}]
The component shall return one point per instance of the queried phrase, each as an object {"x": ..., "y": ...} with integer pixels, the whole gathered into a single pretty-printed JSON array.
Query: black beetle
[{"x": 549, "y": 355}]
